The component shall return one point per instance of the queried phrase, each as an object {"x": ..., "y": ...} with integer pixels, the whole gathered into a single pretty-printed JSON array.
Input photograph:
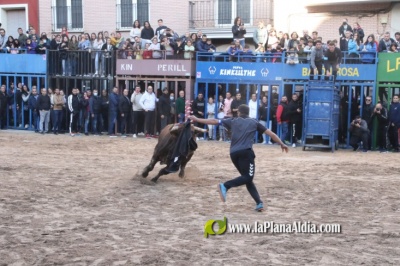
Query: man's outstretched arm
[
  {"x": 210, "y": 121},
  {"x": 275, "y": 138}
]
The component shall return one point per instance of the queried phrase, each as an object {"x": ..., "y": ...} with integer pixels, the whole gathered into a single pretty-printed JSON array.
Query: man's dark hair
[
  {"x": 244, "y": 110},
  {"x": 397, "y": 33},
  {"x": 160, "y": 20},
  {"x": 357, "y": 117}
]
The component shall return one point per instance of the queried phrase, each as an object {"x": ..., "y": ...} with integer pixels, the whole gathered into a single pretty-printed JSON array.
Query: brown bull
[{"x": 163, "y": 151}]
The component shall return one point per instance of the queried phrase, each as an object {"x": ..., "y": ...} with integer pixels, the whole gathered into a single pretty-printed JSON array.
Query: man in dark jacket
[
  {"x": 112, "y": 111},
  {"x": 333, "y": 58},
  {"x": 164, "y": 105},
  {"x": 74, "y": 106},
  {"x": 236, "y": 103},
  {"x": 385, "y": 42},
  {"x": 381, "y": 116},
  {"x": 95, "y": 103},
  {"x": 367, "y": 112},
  {"x": 3, "y": 106},
  {"x": 198, "y": 109},
  {"x": 32, "y": 106},
  {"x": 359, "y": 132},
  {"x": 295, "y": 118},
  {"x": 124, "y": 107},
  {"x": 43, "y": 104},
  {"x": 394, "y": 121}
]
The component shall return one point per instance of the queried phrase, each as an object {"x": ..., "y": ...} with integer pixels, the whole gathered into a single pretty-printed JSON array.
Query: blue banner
[
  {"x": 23, "y": 63},
  {"x": 345, "y": 72},
  {"x": 261, "y": 72},
  {"x": 240, "y": 71}
]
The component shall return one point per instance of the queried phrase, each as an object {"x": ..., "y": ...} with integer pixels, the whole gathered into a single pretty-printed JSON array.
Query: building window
[
  {"x": 228, "y": 10},
  {"x": 130, "y": 10},
  {"x": 67, "y": 13}
]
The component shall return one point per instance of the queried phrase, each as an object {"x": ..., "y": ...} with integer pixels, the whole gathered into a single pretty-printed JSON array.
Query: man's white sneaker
[
  {"x": 269, "y": 142},
  {"x": 294, "y": 145},
  {"x": 134, "y": 136}
]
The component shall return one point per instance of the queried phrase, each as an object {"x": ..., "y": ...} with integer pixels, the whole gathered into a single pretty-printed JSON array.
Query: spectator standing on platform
[
  {"x": 344, "y": 27},
  {"x": 147, "y": 31},
  {"x": 74, "y": 105},
  {"x": 394, "y": 122},
  {"x": 160, "y": 29},
  {"x": 317, "y": 59},
  {"x": 58, "y": 101},
  {"x": 260, "y": 35},
  {"x": 333, "y": 58},
  {"x": 385, "y": 42},
  {"x": 295, "y": 118},
  {"x": 238, "y": 31},
  {"x": 95, "y": 110}
]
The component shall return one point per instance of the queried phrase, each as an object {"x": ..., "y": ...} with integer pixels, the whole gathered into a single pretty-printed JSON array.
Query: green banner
[{"x": 389, "y": 67}]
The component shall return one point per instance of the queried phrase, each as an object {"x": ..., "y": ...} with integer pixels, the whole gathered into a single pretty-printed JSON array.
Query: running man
[{"x": 242, "y": 155}]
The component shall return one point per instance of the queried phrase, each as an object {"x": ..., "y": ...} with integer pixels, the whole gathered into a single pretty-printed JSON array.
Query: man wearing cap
[
  {"x": 164, "y": 105},
  {"x": 241, "y": 151}
]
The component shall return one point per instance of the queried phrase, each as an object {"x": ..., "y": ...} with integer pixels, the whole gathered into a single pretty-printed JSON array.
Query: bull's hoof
[
  {"x": 154, "y": 180},
  {"x": 144, "y": 174},
  {"x": 147, "y": 182},
  {"x": 181, "y": 174}
]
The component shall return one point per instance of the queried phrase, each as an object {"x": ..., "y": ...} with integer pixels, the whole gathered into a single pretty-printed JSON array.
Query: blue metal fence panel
[{"x": 23, "y": 63}]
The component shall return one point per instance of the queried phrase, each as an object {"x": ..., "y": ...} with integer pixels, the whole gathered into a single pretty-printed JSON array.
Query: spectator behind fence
[
  {"x": 359, "y": 132},
  {"x": 189, "y": 49},
  {"x": 164, "y": 108},
  {"x": 112, "y": 111},
  {"x": 138, "y": 116},
  {"x": 359, "y": 31},
  {"x": 295, "y": 117},
  {"x": 236, "y": 103},
  {"x": 385, "y": 42},
  {"x": 148, "y": 103},
  {"x": 32, "y": 107},
  {"x": 368, "y": 50},
  {"x": 43, "y": 105},
  {"x": 180, "y": 106},
  {"x": 58, "y": 100},
  {"x": 3, "y": 106},
  {"x": 22, "y": 37},
  {"x": 211, "y": 114},
  {"x": 124, "y": 107},
  {"x": 397, "y": 39},
  {"x": 95, "y": 111},
  {"x": 394, "y": 122},
  {"x": 282, "y": 117},
  {"x": 382, "y": 121},
  {"x": 3, "y": 39},
  {"x": 292, "y": 57},
  {"x": 155, "y": 48},
  {"x": 74, "y": 105}
]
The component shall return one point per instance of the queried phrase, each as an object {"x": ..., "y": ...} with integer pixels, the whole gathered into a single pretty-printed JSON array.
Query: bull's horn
[
  {"x": 175, "y": 127},
  {"x": 198, "y": 129}
]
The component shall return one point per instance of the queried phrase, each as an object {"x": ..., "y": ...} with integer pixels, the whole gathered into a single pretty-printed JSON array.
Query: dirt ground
[{"x": 77, "y": 201}]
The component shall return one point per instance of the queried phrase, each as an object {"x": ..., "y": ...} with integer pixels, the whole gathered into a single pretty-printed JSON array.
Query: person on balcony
[
  {"x": 155, "y": 47},
  {"x": 189, "y": 50},
  {"x": 136, "y": 30},
  {"x": 147, "y": 32},
  {"x": 260, "y": 35},
  {"x": 107, "y": 55},
  {"x": 385, "y": 42},
  {"x": 368, "y": 50},
  {"x": 238, "y": 31},
  {"x": 333, "y": 58}
]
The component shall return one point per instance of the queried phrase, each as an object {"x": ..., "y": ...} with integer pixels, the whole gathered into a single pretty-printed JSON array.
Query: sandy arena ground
[{"x": 76, "y": 201}]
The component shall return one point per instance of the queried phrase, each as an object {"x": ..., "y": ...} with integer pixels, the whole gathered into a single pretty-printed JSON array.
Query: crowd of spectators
[{"x": 143, "y": 113}]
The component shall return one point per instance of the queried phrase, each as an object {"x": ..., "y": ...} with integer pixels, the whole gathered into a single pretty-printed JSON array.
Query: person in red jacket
[{"x": 282, "y": 117}]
